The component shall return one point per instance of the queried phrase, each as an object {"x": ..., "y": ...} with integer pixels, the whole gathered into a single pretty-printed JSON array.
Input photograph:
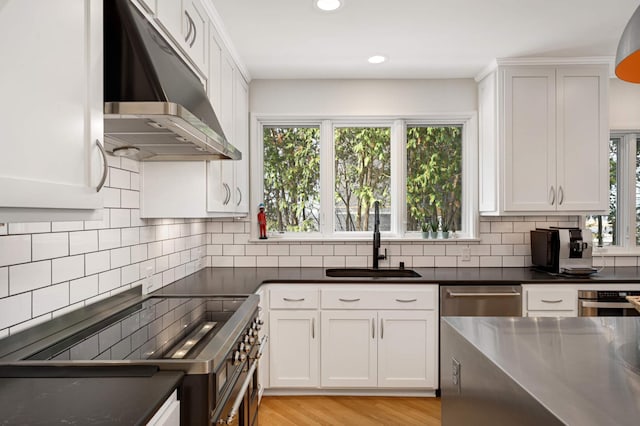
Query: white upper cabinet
[
  {"x": 544, "y": 140},
  {"x": 52, "y": 110},
  {"x": 187, "y": 23}
]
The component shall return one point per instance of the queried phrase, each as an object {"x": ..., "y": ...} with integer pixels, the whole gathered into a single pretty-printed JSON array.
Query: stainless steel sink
[{"x": 363, "y": 272}]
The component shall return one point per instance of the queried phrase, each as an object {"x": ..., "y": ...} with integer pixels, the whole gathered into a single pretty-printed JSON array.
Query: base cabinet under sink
[{"x": 353, "y": 336}]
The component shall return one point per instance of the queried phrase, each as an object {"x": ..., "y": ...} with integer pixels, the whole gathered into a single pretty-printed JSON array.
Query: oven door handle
[
  {"x": 613, "y": 305},
  {"x": 243, "y": 390}
]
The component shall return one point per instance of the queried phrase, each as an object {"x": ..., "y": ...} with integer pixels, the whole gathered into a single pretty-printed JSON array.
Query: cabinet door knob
[{"x": 105, "y": 165}]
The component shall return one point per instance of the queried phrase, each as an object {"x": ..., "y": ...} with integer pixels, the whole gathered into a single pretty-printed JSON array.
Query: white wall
[
  {"x": 362, "y": 97},
  {"x": 624, "y": 104}
]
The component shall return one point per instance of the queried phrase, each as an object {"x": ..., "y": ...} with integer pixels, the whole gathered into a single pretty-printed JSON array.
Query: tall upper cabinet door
[
  {"x": 169, "y": 16},
  {"x": 241, "y": 140},
  {"x": 530, "y": 132},
  {"x": 582, "y": 139},
  {"x": 51, "y": 109}
]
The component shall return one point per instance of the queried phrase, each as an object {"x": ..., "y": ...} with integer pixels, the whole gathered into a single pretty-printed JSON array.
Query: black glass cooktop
[{"x": 153, "y": 329}]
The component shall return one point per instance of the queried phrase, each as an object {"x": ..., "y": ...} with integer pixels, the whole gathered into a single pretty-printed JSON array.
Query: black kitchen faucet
[{"x": 376, "y": 236}]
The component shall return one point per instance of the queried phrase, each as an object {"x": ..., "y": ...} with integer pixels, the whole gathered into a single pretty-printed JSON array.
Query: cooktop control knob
[
  {"x": 245, "y": 339},
  {"x": 236, "y": 358},
  {"x": 247, "y": 348},
  {"x": 241, "y": 347}
]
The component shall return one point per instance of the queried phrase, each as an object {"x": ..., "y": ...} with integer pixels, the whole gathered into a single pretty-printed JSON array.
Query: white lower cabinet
[
  {"x": 384, "y": 349},
  {"x": 168, "y": 414},
  {"x": 353, "y": 337},
  {"x": 349, "y": 349},
  {"x": 294, "y": 349},
  {"x": 407, "y": 348}
]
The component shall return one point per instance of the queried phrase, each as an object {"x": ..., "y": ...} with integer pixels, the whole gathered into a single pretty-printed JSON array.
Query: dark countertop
[
  {"x": 585, "y": 371},
  {"x": 242, "y": 281},
  {"x": 40, "y": 396}
]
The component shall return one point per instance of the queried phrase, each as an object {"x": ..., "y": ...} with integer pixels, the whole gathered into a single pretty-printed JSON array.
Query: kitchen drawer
[
  {"x": 552, "y": 299},
  {"x": 567, "y": 314},
  {"x": 293, "y": 298},
  {"x": 393, "y": 297}
]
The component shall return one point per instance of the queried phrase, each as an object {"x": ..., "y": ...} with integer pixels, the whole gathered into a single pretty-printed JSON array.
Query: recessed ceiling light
[
  {"x": 377, "y": 59},
  {"x": 328, "y": 5}
]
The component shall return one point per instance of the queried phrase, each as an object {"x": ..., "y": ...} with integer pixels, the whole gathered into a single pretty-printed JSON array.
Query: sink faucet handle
[{"x": 383, "y": 256}]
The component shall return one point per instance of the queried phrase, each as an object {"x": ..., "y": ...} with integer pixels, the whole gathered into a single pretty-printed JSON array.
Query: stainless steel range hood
[{"x": 154, "y": 103}]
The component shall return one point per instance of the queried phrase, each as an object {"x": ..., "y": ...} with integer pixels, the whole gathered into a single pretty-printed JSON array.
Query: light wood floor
[{"x": 348, "y": 410}]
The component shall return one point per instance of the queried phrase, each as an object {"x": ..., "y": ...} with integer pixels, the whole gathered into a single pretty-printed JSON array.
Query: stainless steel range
[{"x": 214, "y": 340}]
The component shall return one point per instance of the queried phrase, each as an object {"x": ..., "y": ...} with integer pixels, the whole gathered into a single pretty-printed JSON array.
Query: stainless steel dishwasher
[{"x": 481, "y": 301}]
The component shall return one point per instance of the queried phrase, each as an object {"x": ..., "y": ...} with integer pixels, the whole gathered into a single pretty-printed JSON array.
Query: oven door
[
  {"x": 597, "y": 308},
  {"x": 237, "y": 409}
]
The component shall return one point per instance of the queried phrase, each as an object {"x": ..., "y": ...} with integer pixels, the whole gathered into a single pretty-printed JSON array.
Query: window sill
[{"x": 368, "y": 239}]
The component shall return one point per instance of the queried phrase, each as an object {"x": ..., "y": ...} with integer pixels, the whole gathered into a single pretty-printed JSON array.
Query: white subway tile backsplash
[
  {"x": 29, "y": 276},
  {"x": 289, "y": 261},
  {"x": 490, "y": 261},
  {"x": 445, "y": 262},
  {"x": 434, "y": 250},
  {"x": 15, "y": 249},
  {"x": 412, "y": 250},
  {"x": 233, "y": 227},
  {"x": 334, "y": 261},
  {"x": 222, "y": 238},
  {"x": 232, "y": 250},
  {"x": 119, "y": 178},
  {"x": 108, "y": 239},
  {"x": 67, "y": 268},
  {"x": 48, "y": 246},
  {"x": 244, "y": 261},
  {"x": 111, "y": 198},
  {"x": 501, "y": 227},
  {"x": 174, "y": 260},
  {"x": 120, "y": 218},
  {"x": 67, "y": 226},
  {"x": 240, "y": 238},
  {"x": 50, "y": 298},
  {"x": 154, "y": 249},
  {"x": 227, "y": 261},
  {"x": 109, "y": 280},
  {"x": 214, "y": 227},
  {"x": 338, "y": 250},
  {"x": 168, "y": 246},
  {"x": 130, "y": 273},
  {"x": 277, "y": 250},
  {"x": 120, "y": 257},
  {"x": 515, "y": 238},
  {"x": 83, "y": 288},
  {"x": 501, "y": 250},
  {"x": 29, "y": 228},
  {"x": 490, "y": 239},
  {"x": 83, "y": 242},
  {"x": 129, "y": 199},
  {"x": 15, "y": 309},
  {"x": 4, "y": 282},
  {"x": 423, "y": 261},
  {"x": 138, "y": 253},
  {"x": 162, "y": 232},
  {"x": 130, "y": 236},
  {"x": 626, "y": 261},
  {"x": 356, "y": 261},
  {"x": 322, "y": 250},
  {"x": 162, "y": 263},
  {"x": 513, "y": 261},
  {"x": 97, "y": 262}
]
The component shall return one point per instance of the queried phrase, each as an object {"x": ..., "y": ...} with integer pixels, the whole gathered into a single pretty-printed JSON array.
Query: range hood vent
[{"x": 153, "y": 101}]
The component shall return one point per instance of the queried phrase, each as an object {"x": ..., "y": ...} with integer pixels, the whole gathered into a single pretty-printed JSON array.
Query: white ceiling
[{"x": 421, "y": 38}]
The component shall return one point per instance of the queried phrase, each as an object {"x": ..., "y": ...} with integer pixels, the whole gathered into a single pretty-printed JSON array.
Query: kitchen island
[{"x": 533, "y": 371}]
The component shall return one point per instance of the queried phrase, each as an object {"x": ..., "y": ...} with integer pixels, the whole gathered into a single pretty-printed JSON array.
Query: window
[
  {"x": 292, "y": 178},
  {"x": 620, "y": 228},
  {"x": 320, "y": 179},
  {"x": 434, "y": 177},
  {"x": 362, "y": 175}
]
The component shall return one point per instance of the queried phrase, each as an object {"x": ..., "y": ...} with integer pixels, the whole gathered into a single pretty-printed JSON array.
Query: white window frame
[
  {"x": 398, "y": 125},
  {"x": 626, "y": 187}
]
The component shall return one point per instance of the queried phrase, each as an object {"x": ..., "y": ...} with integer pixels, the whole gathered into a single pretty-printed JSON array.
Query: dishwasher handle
[{"x": 483, "y": 294}]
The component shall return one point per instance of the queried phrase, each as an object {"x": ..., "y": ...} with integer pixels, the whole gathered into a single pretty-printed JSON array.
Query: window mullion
[
  {"x": 625, "y": 193},
  {"x": 631, "y": 190},
  {"x": 398, "y": 180},
  {"x": 327, "y": 183}
]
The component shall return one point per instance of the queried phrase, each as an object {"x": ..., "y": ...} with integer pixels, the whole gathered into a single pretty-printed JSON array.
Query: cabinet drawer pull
[
  {"x": 105, "y": 166},
  {"x": 313, "y": 328},
  {"x": 551, "y": 301},
  {"x": 349, "y": 300},
  {"x": 552, "y": 195},
  {"x": 286, "y": 299},
  {"x": 239, "y": 196},
  {"x": 381, "y": 328},
  {"x": 406, "y": 300},
  {"x": 373, "y": 328}
]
